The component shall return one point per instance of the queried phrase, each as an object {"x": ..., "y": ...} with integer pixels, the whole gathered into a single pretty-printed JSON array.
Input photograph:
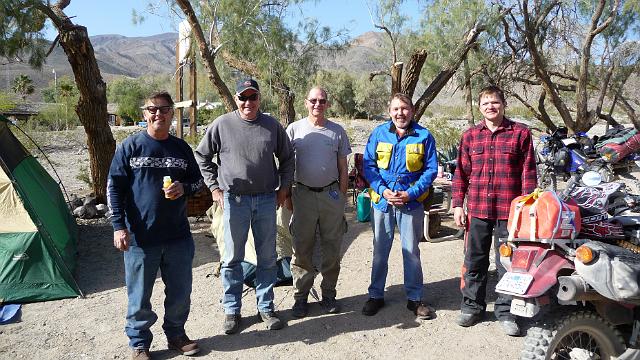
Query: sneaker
[
  {"x": 330, "y": 305},
  {"x": 466, "y": 319},
  {"x": 510, "y": 327},
  {"x": 372, "y": 306},
  {"x": 271, "y": 320},
  {"x": 300, "y": 308},
  {"x": 231, "y": 323},
  {"x": 184, "y": 345},
  {"x": 141, "y": 354},
  {"x": 421, "y": 310}
]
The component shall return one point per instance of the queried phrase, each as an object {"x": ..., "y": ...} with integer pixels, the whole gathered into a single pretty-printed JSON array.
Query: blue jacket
[{"x": 407, "y": 164}]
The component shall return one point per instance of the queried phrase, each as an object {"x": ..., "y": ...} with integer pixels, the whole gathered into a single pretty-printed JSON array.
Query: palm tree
[{"x": 23, "y": 85}]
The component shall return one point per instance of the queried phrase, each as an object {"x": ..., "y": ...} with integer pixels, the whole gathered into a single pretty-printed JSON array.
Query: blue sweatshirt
[{"x": 134, "y": 188}]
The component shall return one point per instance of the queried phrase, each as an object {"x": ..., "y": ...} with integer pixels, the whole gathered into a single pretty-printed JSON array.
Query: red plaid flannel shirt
[{"x": 493, "y": 168}]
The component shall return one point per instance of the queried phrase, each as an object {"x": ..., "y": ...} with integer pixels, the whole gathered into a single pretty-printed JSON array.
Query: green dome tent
[{"x": 38, "y": 234}]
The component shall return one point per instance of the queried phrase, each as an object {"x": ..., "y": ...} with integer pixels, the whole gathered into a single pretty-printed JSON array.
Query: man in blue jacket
[
  {"x": 400, "y": 163},
  {"x": 151, "y": 227}
]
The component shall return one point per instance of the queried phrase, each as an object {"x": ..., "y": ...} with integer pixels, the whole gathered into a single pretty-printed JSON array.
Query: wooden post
[
  {"x": 179, "y": 92},
  {"x": 193, "y": 95}
]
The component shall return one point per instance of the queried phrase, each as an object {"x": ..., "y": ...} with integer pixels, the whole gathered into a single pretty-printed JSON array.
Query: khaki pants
[{"x": 325, "y": 211}]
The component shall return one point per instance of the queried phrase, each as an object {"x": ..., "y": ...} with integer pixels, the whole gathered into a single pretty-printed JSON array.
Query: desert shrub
[
  {"x": 444, "y": 132},
  {"x": 84, "y": 175}
]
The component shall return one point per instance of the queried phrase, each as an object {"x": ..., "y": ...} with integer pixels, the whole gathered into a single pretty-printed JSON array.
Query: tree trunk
[
  {"x": 445, "y": 74},
  {"x": 286, "y": 109},
  {"x": 396, "y": 78},
  {"x": 468, "y": 97},
  {"x": 92, "y": 105},
  {"x": 412, "y": 72}
]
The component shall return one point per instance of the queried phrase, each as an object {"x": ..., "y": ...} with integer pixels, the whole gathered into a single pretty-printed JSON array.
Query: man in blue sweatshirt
[{"x": 151, "y": 227}]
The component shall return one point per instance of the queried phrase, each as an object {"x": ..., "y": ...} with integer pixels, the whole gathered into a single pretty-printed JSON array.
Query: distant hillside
[{"x": 135, "y": 56}]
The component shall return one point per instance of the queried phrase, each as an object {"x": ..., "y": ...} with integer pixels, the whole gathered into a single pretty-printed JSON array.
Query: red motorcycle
[{"x": 582, "y": 293}]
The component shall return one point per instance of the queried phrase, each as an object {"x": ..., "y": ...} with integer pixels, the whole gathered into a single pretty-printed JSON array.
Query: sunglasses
[
  {"x": 252, "y": 97},
  {"x": 154, "y": 109},
  {"x": 320, "y": 101}
]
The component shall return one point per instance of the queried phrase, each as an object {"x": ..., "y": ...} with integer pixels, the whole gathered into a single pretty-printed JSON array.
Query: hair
[
  {"x": 402, "y": 97},
  {"x": 161, "y": 95},
  {"x": 321, "y": 89},
  {"x": 492, "y": 90}
]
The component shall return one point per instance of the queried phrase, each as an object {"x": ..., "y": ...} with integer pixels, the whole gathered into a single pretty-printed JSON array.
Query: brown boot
[{"x": 421, "y": 310}]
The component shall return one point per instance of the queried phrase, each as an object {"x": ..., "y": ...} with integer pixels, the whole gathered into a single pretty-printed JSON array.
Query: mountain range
[{"x": 119, "y": 55}]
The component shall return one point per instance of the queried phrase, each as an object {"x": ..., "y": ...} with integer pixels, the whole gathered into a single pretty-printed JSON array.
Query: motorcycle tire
[{"x": 556, "y": 340}]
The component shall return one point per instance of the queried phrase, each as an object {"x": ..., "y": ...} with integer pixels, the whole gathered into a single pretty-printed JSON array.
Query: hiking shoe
[
  {"x": 140, "y": 354},
  {"x": 466, "y": 319},
  {"x": 372, "y": 306},
  {"x": 421, "y": 310},
  {"x": 184, "y": 345},
  {"x": 231, "y": 323},
  {"x": 271, "y": 320},
  {"x": 330, "y": 305},
  {"x": 300, "y": 308},
  {"x": 510, "y": 327}
]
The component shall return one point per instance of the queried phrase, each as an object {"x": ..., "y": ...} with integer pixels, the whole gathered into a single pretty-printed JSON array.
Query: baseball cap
[{"x": 246, "y": 84}]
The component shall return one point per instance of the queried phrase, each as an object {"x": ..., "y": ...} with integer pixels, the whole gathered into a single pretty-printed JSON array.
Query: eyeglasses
[
  {"x": 320, "y": 101},
  {"x": 252, "y": 97},
  {"x": 154, "y": 109}
]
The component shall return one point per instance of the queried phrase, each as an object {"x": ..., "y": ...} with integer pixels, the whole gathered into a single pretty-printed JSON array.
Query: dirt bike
[{"x": 579, "y": 312}]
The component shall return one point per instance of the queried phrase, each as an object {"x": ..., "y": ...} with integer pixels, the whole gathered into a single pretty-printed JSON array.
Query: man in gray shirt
[
  {"x": 319, "y": 195},
  {"x": 236, "y": 158}
]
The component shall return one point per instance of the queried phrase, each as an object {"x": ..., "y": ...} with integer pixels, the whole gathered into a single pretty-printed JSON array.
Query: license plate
[{"x": 514, "y": 283}]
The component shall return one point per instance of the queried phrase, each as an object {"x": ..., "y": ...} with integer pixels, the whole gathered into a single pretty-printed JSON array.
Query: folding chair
[{"x": 357, "y": 181}]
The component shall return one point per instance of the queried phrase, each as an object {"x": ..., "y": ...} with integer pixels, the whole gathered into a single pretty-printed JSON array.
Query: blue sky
[{"x": 114, "y": 16}]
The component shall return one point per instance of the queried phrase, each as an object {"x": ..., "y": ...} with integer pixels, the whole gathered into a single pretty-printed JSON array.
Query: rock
[
  {"x": 102, "y": 209},
  {"x": 86, "y": 212},
  {"x": 74, "y": 201},
  {"x": 90, "y": 200}
]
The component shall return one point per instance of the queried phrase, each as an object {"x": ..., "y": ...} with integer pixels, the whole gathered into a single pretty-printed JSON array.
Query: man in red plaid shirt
[{"x": 496, "y": 163}]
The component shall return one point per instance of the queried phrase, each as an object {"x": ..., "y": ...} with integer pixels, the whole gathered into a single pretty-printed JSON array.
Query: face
[
  {"x": 318, "y": 96},
  {"x": 401, "y": 113},
  {"x": 248, "y": 108},
  {"x": 492, "y": 107},
  {"x": 158, "y": 123}
]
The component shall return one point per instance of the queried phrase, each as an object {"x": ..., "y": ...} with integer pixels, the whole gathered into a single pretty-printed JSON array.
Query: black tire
[{"x": 555, "y": 341}]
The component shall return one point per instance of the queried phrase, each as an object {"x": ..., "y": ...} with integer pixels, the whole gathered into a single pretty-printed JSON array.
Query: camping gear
[
  {"x": 363, "y": 207},
  {"x": 10, "y": 313},
  {"x": 543, "y": 216},
  {"x": 613, "y": 152},
  {"x": 357, "y": 180},
  {"x": 199, "y": 203},
  {"x": 38, "y": 234}
]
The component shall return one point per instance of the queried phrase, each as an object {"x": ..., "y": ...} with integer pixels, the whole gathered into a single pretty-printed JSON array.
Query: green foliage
[
  {"x": 206, "y": 117},
  {"x": 340, "y": 87},
  {"x": 130, "y": 93},
  {"x": 23, "y": 86},
  {"x": 7, "y": 101},
  {"x": 21, "y": 31},
  {"x": 55, "y": 117},
  {"x": 371, "y": 97},
  {"x": 445, "y": 134}
]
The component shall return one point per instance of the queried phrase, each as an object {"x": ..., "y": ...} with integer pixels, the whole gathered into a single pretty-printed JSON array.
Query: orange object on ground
[{"x": 542, "y": 215}]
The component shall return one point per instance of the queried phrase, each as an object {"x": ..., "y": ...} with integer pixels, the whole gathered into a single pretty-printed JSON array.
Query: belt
[{"x": 317, "y": 189}]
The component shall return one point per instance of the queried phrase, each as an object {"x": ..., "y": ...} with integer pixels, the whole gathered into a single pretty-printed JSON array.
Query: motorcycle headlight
[{"x": 584, "y": 254}]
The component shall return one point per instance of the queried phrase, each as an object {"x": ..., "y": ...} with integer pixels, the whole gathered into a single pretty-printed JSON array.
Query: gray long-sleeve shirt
[{"x": 237, "y": 155}]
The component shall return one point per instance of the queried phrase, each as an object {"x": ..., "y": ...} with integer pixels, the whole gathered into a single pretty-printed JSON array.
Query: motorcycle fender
[{"x": 545, "y": 269}]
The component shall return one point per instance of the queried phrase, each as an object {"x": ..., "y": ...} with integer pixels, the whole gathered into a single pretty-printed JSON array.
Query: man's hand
[
  {"x": 459, "y": 216},
  {"x": 218, "y": 196},
  {"x": 174, "y": 191},
  {"x": 396, "y": 198},
  {"x": 121, "y": 239},
  {"x": 282, "y": 195}
]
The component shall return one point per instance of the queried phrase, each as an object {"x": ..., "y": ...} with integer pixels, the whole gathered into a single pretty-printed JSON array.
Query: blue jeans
[
  {"x": 141, "y": 266},
  {"x": 240, "y": 212},
  {"x": 410, "y": 224}
]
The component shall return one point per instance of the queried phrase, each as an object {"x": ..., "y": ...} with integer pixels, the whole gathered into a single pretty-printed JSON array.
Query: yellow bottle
[{"x": 166, "y": 182}]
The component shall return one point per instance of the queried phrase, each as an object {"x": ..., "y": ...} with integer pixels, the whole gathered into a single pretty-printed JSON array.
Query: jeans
[
  {"x": 483, "y": 234},
  {"x": 240, "y": 212},
  {"x": 410, "y": 224},
  {"x": 141, "y": 266}
]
